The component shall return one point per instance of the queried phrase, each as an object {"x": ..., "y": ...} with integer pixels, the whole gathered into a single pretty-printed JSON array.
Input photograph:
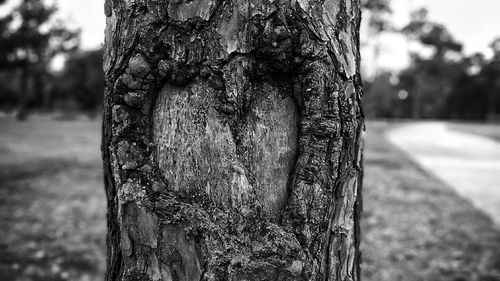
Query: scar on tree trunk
[{"x": 232, "y": 139}]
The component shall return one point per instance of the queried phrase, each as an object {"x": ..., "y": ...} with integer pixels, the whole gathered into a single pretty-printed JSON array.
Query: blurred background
[{"x": 431, "y": 71}]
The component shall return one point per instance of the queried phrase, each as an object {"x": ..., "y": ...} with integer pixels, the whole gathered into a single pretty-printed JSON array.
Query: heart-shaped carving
[{"x": 198, "y": 152}]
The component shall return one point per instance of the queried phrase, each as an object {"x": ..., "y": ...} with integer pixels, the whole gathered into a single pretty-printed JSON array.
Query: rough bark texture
[{"x": 232, "y": 139}]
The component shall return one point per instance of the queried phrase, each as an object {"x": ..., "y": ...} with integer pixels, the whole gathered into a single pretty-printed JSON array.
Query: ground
[
  {"x": 52, "y": 205},
  {"x": 417, "y": 228},
  {"x": 468, "y": 163},
  {"x": 486, "y": 130},
  {"x": 52, "y": 211}
]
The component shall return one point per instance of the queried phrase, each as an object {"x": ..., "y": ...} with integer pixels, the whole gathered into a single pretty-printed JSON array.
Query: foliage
[
  {"x": 429, "y": 82},
  {"x": 382, "y": 98},
  {"x": 30, "y": 37},
  {"x": 82, "y": 81},
  {"x": 437, "y": 86},
  {"x": 431, "y": 79},
  {"x": 378, "y": 11},
  {"x": 9, "y": 98},
  {"x": 476, "y": 95},
  {"x": 431, "y": 34}
]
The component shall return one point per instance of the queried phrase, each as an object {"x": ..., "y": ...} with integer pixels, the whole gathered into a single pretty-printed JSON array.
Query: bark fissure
[{"x": 230, "y": 135}]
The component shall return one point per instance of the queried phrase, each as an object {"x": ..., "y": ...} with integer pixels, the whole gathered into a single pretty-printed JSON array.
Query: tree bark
[{"x": 232, "y": 139}]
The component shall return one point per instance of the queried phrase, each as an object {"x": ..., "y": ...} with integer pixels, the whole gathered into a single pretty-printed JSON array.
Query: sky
[
  {"x": 89, "y": 16},
  {"x": 474, "y": 23},
  {"x": 85, "y": 14}
]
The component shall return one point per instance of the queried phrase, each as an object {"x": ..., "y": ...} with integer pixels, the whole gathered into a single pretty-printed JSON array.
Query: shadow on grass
[
  {"x": 415, "y": 227},
  {"x": 51, "y": 221}
]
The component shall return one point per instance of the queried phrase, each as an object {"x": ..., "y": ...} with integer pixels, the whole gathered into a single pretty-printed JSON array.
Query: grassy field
[
  {"x": 52, "y": 205},
  {"x": 415, "y": 227},
  {"x": 52, "y": 211}
]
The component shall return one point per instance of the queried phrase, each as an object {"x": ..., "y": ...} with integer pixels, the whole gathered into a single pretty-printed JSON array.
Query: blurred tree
[
  {"x": 469, "y": 97},
  {"x": 492, "y": 74},
  {"x": 81, "y": 82},
  {"x": 476, "y": 93},
  {"x": 431, "y": 79},
  {"x": 431, "y": 34},
  {"x": 9, "y": 82},
  {"x": 29, "y": 39},
  {"x": 377, "y": 12},
  {"x": 382, "y": 99}
]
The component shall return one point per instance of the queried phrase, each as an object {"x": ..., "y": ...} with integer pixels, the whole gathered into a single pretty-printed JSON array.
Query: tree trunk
[
  {"x": 25, "y": 95},
  {"x": 232, "y": 139}
]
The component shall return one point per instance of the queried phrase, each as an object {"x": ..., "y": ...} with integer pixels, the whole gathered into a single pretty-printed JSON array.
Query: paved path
[{"x": 468, "y": 163}]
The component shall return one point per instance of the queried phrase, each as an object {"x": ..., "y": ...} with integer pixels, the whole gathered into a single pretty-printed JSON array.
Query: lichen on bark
[{"x": 231, "y": 139}]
